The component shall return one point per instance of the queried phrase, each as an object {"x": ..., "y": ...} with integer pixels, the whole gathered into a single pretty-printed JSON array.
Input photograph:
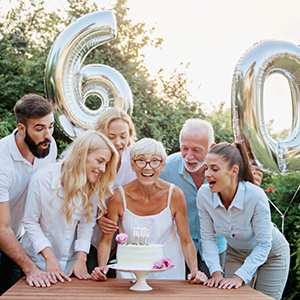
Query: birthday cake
[
  {"x": 138, "y": 253},
  {"x": 139, "y": 256}
]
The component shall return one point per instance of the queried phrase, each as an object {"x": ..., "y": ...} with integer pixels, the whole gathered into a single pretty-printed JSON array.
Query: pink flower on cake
[
  {"x": 168, "y": 263},
  {"x": 163, "y": 263},
  {"x": 158, "y": 265},
  {"x": 121, "y": 238}
]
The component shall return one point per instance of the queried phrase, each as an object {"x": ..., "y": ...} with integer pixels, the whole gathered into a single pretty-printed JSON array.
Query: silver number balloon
[
  {"x": 68, "y": 84},
  {"x": 251, "y": 72}
]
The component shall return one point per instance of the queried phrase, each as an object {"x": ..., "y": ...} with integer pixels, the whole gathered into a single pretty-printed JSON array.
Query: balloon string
[
  {"x": 283, "y": 215},
  {"x": 289, "y": 207},
  {"x": 275, "y": 207}
]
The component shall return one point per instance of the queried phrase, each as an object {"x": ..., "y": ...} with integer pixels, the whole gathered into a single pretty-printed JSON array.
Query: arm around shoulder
[{"x": 115, "y": 210}]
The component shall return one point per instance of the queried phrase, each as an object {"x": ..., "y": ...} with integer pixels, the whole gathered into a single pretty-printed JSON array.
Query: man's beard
[
  {"x": 34, "y": 148},
  {"x": 196, "y": 168}
]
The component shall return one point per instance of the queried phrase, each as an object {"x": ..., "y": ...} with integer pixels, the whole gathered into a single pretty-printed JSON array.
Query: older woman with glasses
[{"x": 157, "y": 205}]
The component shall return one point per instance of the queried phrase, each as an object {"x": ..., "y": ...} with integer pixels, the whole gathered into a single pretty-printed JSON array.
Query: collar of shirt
[
  {"x": 181, "y": 169},
  {"x": 238, "y": 200},
  {"x": 14, "y": 150},
  {"x": 186, "y": 175}
]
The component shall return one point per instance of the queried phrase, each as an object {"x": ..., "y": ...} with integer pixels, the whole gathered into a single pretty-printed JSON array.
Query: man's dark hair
[{"x": 31, "y": 106}]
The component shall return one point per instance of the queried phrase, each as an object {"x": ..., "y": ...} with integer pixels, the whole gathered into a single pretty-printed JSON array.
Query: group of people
[{"x": 204, "y": 204}]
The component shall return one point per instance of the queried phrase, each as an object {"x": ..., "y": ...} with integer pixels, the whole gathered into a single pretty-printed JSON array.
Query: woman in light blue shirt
[{"x": 232, "y": 206}]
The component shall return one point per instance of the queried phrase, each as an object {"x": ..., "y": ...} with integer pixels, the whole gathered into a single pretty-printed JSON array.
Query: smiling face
[
  {"x": 147, "y": 175},
  {"x": 96, "y": 163},
  {"x": 37, "y": 135},
  {"x": 118, "y": 133},
  {"x": 194, "y": 147},
  {"x": 218, "y": 175}
]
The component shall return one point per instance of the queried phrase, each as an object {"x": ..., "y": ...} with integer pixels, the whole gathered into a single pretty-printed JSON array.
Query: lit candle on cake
[
  {"x": 147, "y": 240},
  {"x": 141, "y": 236},
  {"x": 137, "y": 235},
  {"x": 144, "y": 236},
  {"x": 133, "y": 236}
]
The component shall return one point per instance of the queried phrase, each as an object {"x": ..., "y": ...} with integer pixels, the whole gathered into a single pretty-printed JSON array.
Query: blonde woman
[
  {"x": 117, "y": 125},
  {"x": 61, "y": 206}
]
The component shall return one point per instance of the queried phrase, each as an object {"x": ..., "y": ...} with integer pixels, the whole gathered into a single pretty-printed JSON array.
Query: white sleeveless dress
[{"x": 162, "y": 230}]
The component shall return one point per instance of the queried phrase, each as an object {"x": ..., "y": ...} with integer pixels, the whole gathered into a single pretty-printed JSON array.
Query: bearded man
[{"x": 29, "y": 148}]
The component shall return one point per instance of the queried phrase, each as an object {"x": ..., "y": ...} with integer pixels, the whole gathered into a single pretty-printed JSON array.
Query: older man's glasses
[{"x": 141, "y": 164}]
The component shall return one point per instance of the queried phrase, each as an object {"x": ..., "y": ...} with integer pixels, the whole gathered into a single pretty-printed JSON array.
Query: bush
[{"x": 285, "y": 187}]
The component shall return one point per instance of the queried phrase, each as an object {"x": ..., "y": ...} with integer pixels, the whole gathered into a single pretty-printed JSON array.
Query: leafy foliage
[
  {"x": 221, "y": 121},
  {"x": 285, "y": 187},
  {"x": 7, "y": 121},
  {"x": 29, "y": 38}
]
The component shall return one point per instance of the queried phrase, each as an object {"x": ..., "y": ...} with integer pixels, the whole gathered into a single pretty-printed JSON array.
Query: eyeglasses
[{"x": 154, "y": 163}]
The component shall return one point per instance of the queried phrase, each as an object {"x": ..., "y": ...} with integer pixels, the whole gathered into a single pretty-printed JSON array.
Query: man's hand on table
[
  {"x": 53, "y": 268},
  {"x": 39, "y": 278}
]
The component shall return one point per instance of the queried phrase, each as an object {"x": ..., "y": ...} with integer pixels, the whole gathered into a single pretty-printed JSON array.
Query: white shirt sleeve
[
  {"x": 262, "y": 228},
  {"x": 5, "y": 184},
  {"x": 33, "y": 211},
  {"x": 208, "y": 237},
  {"x": 84, "y": 233}
]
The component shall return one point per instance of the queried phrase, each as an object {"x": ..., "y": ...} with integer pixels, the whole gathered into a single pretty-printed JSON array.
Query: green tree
[
  {"x": 286, "y": 200},
  {"x": 30, "y": 35},
  {"x": 221, "y": 120}
]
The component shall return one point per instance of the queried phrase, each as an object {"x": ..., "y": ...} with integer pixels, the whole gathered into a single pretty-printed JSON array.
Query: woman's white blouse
[
  {"x": 46, "y": 226},
  {"x": 124, "y": 176},
  {"x": 246, "y": 225}
]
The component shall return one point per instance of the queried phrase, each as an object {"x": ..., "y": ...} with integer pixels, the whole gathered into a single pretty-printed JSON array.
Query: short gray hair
[
  {"x": 199, "y": 124},
  {"x": 148, "y": 146}
]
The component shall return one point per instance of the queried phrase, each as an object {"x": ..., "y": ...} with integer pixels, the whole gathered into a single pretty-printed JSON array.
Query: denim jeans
[{"x": 9, "y": 272}]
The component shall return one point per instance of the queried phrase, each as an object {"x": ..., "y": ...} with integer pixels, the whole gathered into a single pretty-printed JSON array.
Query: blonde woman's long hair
[
  {"x": 78, "y": 190},
  {"x": 113, "y": 114}
]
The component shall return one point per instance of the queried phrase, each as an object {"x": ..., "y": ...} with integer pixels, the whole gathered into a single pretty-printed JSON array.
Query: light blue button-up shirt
[
  {"x": 176, "y": 173},
  {"x": 246, "y": 225}
]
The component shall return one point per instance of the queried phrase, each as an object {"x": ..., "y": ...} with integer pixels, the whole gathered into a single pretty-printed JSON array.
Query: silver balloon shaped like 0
[
  {"x": 68, "y": 84},
  {"x": 251, "y": 72}
]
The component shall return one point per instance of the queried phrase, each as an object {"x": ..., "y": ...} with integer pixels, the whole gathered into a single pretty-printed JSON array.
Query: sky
[{"x": 212, "y": 35}]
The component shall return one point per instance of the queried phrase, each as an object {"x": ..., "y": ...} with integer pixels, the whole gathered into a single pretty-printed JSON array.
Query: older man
[
  {"x": 186, "y": 170},
  {"x": 29, "y": 148}
]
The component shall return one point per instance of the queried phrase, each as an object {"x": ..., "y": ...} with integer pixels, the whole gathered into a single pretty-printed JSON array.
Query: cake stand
[{"x": 141, "y": 274}]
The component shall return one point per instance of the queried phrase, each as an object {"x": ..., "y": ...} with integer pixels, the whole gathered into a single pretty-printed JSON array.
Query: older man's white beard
[{"x": 196, "y": 168}]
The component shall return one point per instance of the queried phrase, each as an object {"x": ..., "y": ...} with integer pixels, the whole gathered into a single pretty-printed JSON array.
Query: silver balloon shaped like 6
[
  {"x": 68, "y": 84},
  {"x": 251, "y": 72}
]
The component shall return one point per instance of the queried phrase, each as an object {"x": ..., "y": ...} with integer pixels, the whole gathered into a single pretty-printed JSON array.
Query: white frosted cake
[{"x": 139, "y": 256}]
